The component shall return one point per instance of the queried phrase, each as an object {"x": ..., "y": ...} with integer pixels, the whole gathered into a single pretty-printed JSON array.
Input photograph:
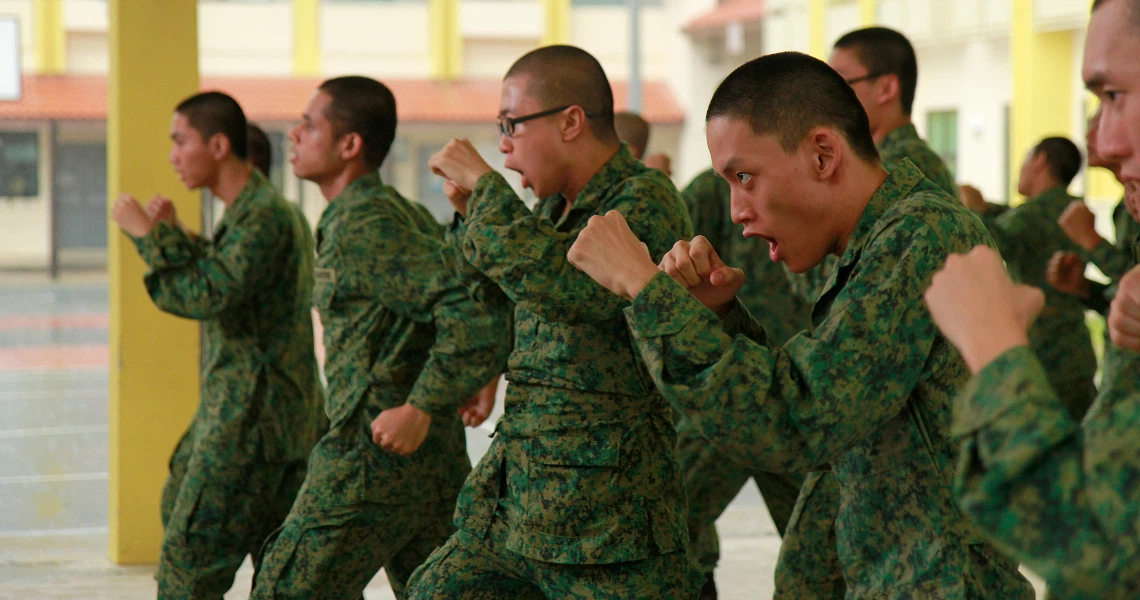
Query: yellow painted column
[
  {"x": 306, "y": 38},
  {"x": 446, "y": 39},
  {"x": 1042, "y": 68},
  {"x": 817, "y": 28},
  {"x": 557, "y": 22},
  {"x": 51, "y": 40},
  {"x": 154, "y": 357},
  {"x": 868, "y": 13}
]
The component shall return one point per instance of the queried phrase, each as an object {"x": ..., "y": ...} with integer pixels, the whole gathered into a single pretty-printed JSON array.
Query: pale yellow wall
[
  {"x": 23, "y": 10},
  {"x": 87, "y": 52},
  {"x": 239, "y": 38},
  {"x": 604, "y": 32},
  {"x": 380, "y": 39},
  {"x": 26, "y": 222}
]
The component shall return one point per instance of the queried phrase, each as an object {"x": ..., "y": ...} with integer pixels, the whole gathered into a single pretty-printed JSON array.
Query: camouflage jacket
[
  {"x": 1061, "y": 496},
  {"x": 868, "y": 392},
  {"x": 250, "y": 286},
  {"x": 1028, "y": 236},
  {"x": 401, "y": 324},
  {"x": 585, "y": 447},
  {"x": 767, "y": 292},
  {"x": 902, "y": 143}
]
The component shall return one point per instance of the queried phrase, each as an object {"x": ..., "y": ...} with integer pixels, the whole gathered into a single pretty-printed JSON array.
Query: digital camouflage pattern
[
  {"x": 808, "y": 566},
  {"x": 243, "y": 455},
  {"x": 868, "y": 393},
  {"x": 712, "y": 480},
  {"x": 581, "y": 471},
  {"x": 403, "y": 322},
  {"x": 1058, "y": 494},
  {"x": 1027, "y": 237}
]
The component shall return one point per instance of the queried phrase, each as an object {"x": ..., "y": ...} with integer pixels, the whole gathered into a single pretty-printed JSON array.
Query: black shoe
[{"x": 708, "y": 590}]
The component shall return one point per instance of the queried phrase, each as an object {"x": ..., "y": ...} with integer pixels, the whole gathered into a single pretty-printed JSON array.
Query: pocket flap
[{"x": 598, "y": 447}]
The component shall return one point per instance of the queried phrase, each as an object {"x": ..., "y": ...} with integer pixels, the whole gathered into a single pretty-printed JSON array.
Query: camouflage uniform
[
  {"x": 805, "y": 569},
  {"x": 1027, "y": 237},
  {"x": 579, "y": 494},
  {"x": 712, "y": 479},
  {"x": 400, "y": 326},
  {"x": 867, "y": 393},
  {"x": 237, "y": 468},
  {"x": 1058, "y": 494}
]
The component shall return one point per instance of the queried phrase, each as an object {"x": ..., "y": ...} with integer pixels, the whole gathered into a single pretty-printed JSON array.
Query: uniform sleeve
[
  {"x": 1111, "y": 261},
  {"x": 806, "y": 403},
  {"x": 525, "y": 255},
  {"x": 196, "y": 281},
  {"x": 1060, "y": 498},
  {"x": 422, "y": 278}
]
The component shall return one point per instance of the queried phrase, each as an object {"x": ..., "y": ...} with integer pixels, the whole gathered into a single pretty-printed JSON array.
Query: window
[
  {"x": 942, "y": 135},
  {"x": 19, "y": 164}
]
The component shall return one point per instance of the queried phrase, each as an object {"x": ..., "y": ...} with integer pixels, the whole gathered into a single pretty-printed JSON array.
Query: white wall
[
  {"x": 238, "y": 38},
  {"x": 25, "y": 223},
  {"x": 23, "y": 10},
  {"x": 378, "y": 39},
  {"x": 604, "y": 32},
  {"x": 974, "y": 79}
]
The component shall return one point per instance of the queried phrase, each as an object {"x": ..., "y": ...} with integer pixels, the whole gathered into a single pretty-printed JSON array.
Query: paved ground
[{"x": 53, "y": 460}]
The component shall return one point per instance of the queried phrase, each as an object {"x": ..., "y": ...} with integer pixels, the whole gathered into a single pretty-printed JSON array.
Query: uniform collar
[{"x": 898, "y": 184}]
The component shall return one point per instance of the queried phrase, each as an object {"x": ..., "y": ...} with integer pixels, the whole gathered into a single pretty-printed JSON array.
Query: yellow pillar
[
  {"x": 51, "y": 40},
  {"x": 868, "y": 13},
  {"x": 817, "y": 28},
  {"x": 446, "y": 39},
  {"x": 306, "y": 38},
  {"x": 557, "y": 22},
  {"x": 1042, "y": 68},
  {"x": 154, "y": 357}
]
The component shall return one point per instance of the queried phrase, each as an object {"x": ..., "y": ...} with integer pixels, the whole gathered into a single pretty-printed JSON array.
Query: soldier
[
  {"x": 711, "y": 478},
  {"x": 1066, "y": 271},
  {"x": 579, "y": 495},
  {"x": 881, "y": 67},
  {"x": 867, "y": 393},
  {"x": 1027, "y": 236},
  {"x": 260, "y": 150},
  {"x": 634, "y": 130},
  {"x": 1058, "y": 494},
  {"x": 237, "y": 469},
  {"x": 407, "y": 344}
]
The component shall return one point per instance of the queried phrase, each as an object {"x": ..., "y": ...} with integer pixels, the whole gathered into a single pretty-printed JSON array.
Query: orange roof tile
[
  {"x": 84, "y": 98},
  {"x": 728, "y": 11}
]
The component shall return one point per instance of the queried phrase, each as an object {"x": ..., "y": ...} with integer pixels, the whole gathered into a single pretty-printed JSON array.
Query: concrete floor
[{"x": 53, "y": 480}]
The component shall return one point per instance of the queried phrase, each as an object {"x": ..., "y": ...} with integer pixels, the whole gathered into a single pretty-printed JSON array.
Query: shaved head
[
  {"x": 569, "y": 76},
  {"x": 633, "y": 130}
]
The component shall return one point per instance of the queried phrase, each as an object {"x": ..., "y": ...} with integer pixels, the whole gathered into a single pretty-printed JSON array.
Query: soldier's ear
[
  {"x": 351, "y": 146},
  {"x": 219, "y": 146}
]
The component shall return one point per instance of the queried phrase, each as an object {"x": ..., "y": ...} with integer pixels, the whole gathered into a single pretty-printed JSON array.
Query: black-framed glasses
[
  {"x": 507, "y": 124},
  {"x": 866, "y": 77}
]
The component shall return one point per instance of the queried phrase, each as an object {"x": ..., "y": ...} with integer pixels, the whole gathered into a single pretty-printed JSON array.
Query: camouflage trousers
[
  {"x": 808, "y": 565},
  {"x": 214, "y": 513},
  {"x": 329, "y": 552},
  {"x": 712, "y": 480},
  {"x": 468, "y": 567}
]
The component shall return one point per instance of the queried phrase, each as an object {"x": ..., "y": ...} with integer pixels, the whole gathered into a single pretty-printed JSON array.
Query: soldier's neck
[
  {"x": 334, "y": 185},
  {"x": 233, "y": 175},
  {"x": 887, "y": 125}
]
